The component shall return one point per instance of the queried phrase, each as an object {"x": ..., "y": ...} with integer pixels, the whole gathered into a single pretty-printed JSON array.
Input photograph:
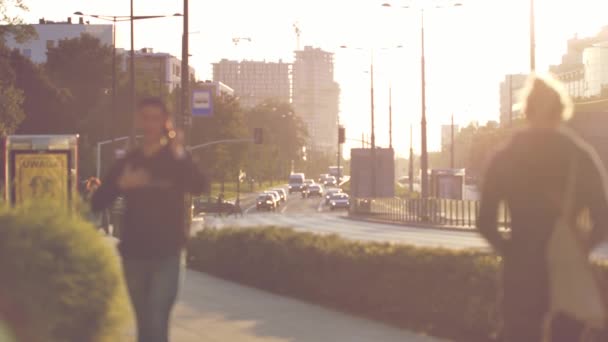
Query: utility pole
[
  {"x": 338, "y": 178},
  {"x": 411, "y": 168},
  {"x": 114, "y": 84},
  {"x": 390, "y": 117},
  {"x": 511, "y": 100},
  {"x": 452, "y": 145},
  {"x": 132, "y": 79},
  {"x": 532, "y": 38},
  {"x": 373, "y": 135},
  {"x": 424, "y": 181},
  {"x": 186, "y": 118}
]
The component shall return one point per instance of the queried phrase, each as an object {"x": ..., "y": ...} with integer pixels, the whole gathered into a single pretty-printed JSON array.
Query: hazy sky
[{"x": 468, "y": 48}]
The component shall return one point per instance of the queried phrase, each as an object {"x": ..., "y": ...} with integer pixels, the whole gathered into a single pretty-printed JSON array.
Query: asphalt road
[{"x": 311, "y": 215}]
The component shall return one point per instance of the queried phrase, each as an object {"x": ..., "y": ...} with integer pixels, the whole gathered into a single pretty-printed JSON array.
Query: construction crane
[
  {"x": 296, "y": 27},
  {"x": 237, "y": 40}
]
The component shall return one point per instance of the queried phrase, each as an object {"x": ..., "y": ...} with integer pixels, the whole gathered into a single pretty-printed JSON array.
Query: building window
[{"x": 50, "y": 44}]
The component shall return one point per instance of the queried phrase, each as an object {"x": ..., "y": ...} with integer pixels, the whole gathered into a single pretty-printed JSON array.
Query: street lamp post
[
  {"x": 424, "y": 157},
  {"x": 424, "y": 181},
  {"x": 390, "y": 116},
  {"x": 132, "y": 79},
  {"x": 532, "y": 38},
  {"x": 114, "y": 20},
  {"x": 372, "y": 112},
  {"x": 186, "y": 116},
  {"x": 411, "y": 166}
]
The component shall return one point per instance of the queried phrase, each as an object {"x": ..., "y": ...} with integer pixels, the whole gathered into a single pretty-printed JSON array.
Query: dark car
[
  {"x": 315, "y": 190},
  {"x": 265, "y": 202},
  {"x": 339, "y": 201},
  {"x": 209, "y": 206},
  {"x": 296, "y": 182},
  {"x": 305, "y": 191},
  {"x": 331, "y": 192},
  {"x": 330, "y": 181}
]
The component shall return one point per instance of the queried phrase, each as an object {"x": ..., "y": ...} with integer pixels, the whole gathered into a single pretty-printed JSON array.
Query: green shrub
[
  {"x": 61, "y": 279},
  {"x": 441, "y": 292}
]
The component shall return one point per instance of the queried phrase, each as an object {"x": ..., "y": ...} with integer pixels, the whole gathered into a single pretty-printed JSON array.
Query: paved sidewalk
[{"x": 214, "y": 310}]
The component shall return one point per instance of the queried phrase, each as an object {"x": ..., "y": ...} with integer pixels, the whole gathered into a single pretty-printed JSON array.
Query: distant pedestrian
[
  {"x": 237, "y": 208},
  {"x": 153, "y": 180},
  {"x": 546, "y": 175},
  {"x": 97, "y": 219},
  {"x": 220, "y": 204}
]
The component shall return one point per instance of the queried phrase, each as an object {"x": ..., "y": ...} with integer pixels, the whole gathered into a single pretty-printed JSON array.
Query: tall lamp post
[
  {"x": 186, "y": 115},
  {"x": 373, "y": 133},
  {"x": 424, "y": 181},
  {"x": 532, "y": 38},
  {"x": 390, "y": 116},
  {"x": 114, "y": 19},
  {"x": 411, "y": 166}
]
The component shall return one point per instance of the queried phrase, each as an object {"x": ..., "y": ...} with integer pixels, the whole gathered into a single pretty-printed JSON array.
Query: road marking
[
  {"x": 320, "y": 207},
  {"x": 249, "y": 209},
  {"x": 284, "y": 207}
]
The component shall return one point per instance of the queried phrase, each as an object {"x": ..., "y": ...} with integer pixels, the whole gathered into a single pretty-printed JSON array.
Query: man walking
[
  {"x": 154, "y": 180},
  {"x": 531, "y": 174}
]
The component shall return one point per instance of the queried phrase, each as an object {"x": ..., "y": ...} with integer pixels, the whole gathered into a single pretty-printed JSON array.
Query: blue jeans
[{"x": 153, "y": 286}]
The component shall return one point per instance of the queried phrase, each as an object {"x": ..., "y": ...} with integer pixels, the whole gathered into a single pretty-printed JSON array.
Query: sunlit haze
[{"x": 468, "y": 48}]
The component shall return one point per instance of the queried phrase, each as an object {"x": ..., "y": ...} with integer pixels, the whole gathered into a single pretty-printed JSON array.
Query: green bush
[
  {"x": 61, "y": 279},
  {"x": 441, "y": 292}
]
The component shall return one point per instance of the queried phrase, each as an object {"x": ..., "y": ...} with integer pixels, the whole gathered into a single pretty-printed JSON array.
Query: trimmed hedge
[
  {"x": 61, "y": 280},
  {"x": 441, "y": 292}
]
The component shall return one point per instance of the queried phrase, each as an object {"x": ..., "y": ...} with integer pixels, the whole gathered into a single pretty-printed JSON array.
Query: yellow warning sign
[{"x": 41, "y": 176}]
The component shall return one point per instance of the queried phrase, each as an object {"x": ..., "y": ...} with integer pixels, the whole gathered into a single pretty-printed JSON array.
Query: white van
[{"x": 296, "y": 182}]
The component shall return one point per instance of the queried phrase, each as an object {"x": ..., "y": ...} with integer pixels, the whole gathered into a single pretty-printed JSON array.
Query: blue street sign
[{"x": 202, "y": 102}]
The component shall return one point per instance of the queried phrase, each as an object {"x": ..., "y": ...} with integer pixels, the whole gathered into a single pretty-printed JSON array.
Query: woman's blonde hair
[{"x": 545, "y": 99}]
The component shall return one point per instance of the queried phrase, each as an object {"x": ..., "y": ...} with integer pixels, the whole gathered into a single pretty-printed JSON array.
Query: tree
[
  {"x": 11, "y": 113},
  {"x": 227, "y": 122},
  {"x": 11, "y": 97},
  {"x": 44, "y": 104},
  {"x": 12, "y": 24},
  {"x": 284, "y": 138},
  {"x": 82, "y": 66}
]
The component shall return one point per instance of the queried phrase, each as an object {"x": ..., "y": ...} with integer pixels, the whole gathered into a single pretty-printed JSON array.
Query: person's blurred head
[
  {"x": 546, "y": 104},
  {"x": 92, "y": 184},
  {"x": 153, "y": 119}
]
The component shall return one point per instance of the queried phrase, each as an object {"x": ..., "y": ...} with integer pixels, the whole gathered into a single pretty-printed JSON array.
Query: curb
[{"x": 413, "y": 224}]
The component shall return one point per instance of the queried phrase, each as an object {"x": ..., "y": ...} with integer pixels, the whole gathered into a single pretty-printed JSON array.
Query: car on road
[
  {"x": 282, "y": 193},
  {"x": 315, "y": 190},
  {"x": 296, "y": 182},
  {"x": 305, "y": 191},
  {"x": 309, "y": 182},
  {"x": 339, "y": 201},
  {"x": 265, "y": 202},
  {"x": 330, "y": 181},
  {"x": 331, "y": 192},
  {"x": 323, "y": 176},
  {"x": 276, "y": 197},
  {"x": 208, "y": 206}
]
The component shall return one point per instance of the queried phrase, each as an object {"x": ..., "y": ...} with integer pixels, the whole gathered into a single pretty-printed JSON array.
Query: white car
[
  {"x": 330, "y": 192},
  {"x": 282, "y": 193},
  {"x": 275, "y": 196}
]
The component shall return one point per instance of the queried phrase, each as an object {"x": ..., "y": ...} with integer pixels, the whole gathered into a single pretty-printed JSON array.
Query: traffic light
[
  {"x": 258, "y": 136},
  {"x": 341, "y": 135}
]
